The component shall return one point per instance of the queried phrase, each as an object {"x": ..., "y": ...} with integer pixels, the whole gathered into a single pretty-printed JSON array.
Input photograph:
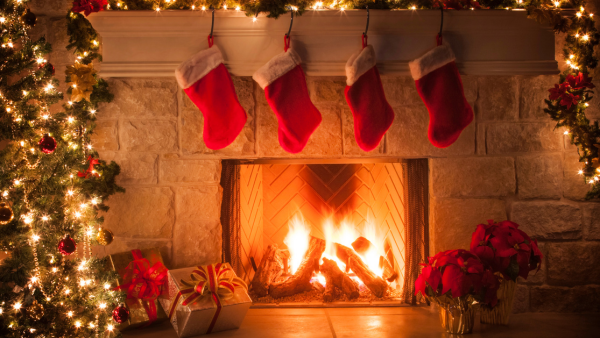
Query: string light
[
  {"x": 413, "y": 7},
  {"x": 556, "y": 4},
  {"x": 203, "y": 8},
  {"x": 110, "y": 327},
  {"x": 17, "y": 306},
  {"x": 77, "y": 324},
  {"x": 585, "y": 37}
]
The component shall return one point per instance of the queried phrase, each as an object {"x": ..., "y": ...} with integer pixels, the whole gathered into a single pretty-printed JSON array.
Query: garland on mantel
[{"x": 567, "y": 100}]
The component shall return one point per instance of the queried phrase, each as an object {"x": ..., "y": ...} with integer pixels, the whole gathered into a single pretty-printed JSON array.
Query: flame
[{"x": 297, "y": 240}]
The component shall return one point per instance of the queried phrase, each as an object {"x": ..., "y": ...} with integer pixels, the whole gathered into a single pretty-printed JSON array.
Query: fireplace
[{"x": 375, "y": 211}]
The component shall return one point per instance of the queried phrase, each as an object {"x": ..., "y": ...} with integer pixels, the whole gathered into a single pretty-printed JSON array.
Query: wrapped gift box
[
  {"x": 202, "y": 315},
  {"x": 138, "y": 315}
]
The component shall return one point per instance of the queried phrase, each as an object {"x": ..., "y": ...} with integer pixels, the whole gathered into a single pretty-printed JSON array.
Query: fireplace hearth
[{"x": 326, "y": 234}]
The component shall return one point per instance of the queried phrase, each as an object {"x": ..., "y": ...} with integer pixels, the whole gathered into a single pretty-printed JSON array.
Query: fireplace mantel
[{"x": 486, "y": 42}]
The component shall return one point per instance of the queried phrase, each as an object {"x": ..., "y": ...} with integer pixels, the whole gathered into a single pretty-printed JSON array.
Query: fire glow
[{"x": 345, "y": 233}]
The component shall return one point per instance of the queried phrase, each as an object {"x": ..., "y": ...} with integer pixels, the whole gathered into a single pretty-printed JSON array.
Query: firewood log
[
  {"x": 353, "y": 262},
  {"x": 335, "y": 277},
  {"x": 300, "y": 281},
  {"x": 361, "y": 245},
  {"x": 270, "y": 268},
  {"x": 388, "y": 272},
  {"x": 330, "y": 292}
]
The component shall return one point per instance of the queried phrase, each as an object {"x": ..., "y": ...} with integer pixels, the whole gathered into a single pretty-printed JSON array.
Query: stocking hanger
[
  {"x": 291, "y": 23},
  {"x": 212, "y": 25},
  {"x": 364, "y": 34},
  {"x": 439, "y": 36},
  {"x": 286, "y": 38}
]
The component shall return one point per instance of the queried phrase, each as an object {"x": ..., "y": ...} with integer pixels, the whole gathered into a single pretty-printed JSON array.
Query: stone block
[
  {"x": 141, "y": 97},
  {"x": 480, "y": 139},
  {"x": 472, "y": 177},
  {"x": 325, "y": 141},
  {"x": 197, "y": 234},
  {"x": 540, "y": 176},
  {"x": 350, "y": 146},
  {"x": 591, "y": 216},
  {"x": 548, "y": 220},
  {"x": 123, "y": 244},
  {"x": 407, "y": 136},
  {"x": 534, "y": 90},
  {"x": 136, "y": 168},
  {"x": 521, "y": 300},
  {"x": 149, "y": 135},
  {"x": 574, "y": 185},
  {"x": 327, "y": 90},
  {"x": 573, "y": 263},
  {"x": 141, "y": 213},
  {"x": 454, "y": 220},
  {"x": 565, "y": 299},
  {"x": 105, "y": 136},
  {"x": 400, "y": 91},
  {"x": 192, "y": 128},
  {"x": 498, "y": 99},
  {"x": 50, "y": 7},
  {"x": 244, "y": 88},
  {"x": 188, "y": 171},
  {"x": 503, "y": 138}
]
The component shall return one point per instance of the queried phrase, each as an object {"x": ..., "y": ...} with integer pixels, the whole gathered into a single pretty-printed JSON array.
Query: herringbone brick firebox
[{"x": 366, "y": 197}]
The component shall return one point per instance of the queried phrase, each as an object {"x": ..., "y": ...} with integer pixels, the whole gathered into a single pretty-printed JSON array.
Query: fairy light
[
  {"x": 225, "y": 6},
  {"x": 95, "y": 42},
  {"x": 70, "y": 119},
  {"x": 556, "y": 4},
  {"x": 193, "y": 7},
  {"x": 70, "y": 314},
  {"x": 413, "y": 7},
  {"x": 17, "y": 182},
  {"x": 94, "y": 201},
  {"x": 158, "y": 9},
  {"x": 17, "y": 306},
  {"x": 35, "y": 237},
  {"x": 586, "y": 104},
  {"x": 67, "y": 291},
  {"x": 579, "y": 14},
  {"x": 70, "y": 192},
  {"x": 254, "y": 19},
  {"x": 77, "y": 324},
  {"x": 54, "y": 269},
  {"x": 2, "y": 19},
  {"x": 91, "y": 325},
  {"x": 102, "y": 306},
  {"x": 27, "y": 219},
  {"x": 571, "y": 56},
  {"x": 106, "y": 286},
  {"x": 25, "y": 93},
  {"x": 45, "y": 117},
  {"x": 566, "y": 132},
  {"x": 77, "y": 214},
  {"x": 110, "y": 327},
  {"x": 34, "y": 279},
  {"x": 5, "y": 193},
  {"x": 585, "y": 37},
  {"x": 82, "y": 206},
  {"x": 203, "y": 8},
  {"x": 70, "y": 103},
  {"x": 237, "y": 8}
]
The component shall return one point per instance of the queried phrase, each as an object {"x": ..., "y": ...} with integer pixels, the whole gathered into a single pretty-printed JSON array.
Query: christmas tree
[{"x": 52, "y": 187}]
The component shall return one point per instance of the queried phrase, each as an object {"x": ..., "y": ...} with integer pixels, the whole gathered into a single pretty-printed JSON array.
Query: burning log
[
  {"x": 362, "y": 245},
  {"x": 335, "y": 277},
  {"x": 300, "y": 281},
  {"x": 273, "y": 265},
  {"x": 377, "y": 285},
  {"x": 388, "y": 272}
]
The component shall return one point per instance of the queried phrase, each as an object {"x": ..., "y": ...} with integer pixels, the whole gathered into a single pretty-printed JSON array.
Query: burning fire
[{"x": 344, "y": 233}]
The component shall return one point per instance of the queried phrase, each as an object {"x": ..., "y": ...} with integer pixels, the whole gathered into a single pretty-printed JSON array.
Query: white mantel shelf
[{"x": 486, "y": 42}]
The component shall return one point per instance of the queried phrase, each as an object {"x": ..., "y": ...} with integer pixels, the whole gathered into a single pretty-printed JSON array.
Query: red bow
[
  {"x": 144, "y": 282},
  {"x": 90, "y": 171}
]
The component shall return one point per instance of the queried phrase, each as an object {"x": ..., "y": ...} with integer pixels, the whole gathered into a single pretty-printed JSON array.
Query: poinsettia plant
[
  {"x": 506, "y": 248},
  {"x": 88, "y": 6},
  {"x": 457, "y": 275}
]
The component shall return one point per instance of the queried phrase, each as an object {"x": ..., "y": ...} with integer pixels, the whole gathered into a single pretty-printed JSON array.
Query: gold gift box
[
  {"x": 138, "y": 316},
  {"x": 195, "y": 318}
]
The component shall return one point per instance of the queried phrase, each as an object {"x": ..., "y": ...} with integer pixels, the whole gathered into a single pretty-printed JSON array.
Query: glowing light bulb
[
  {"x": 110, "y": 327},
  {"x": 27, "y": 219},
  {"x": 25, "y": 93},
  {"x": 225, "y": 6},
  {"x": 74, "y": 85},
  {"x": 34, "y": 279},
  {"x": 586, "y": 104},
  {"x": 158, "y": 9},
  {"x": 94, "y": 201},
  {"x": 93, "y": 111},
  {"x": 35, "y": 238},
  {"x": 91, "y": 325},
  {"x": 2, "y": 19},
  {"x": 343, "y": 9},
  {"x": 54, "y": 269},
  {"x": 70, "y": 192},
  {"x": 45, "y": 218},
  {"x": 70, "y": 103},
  {"x": 566, "y": 132},
  {"x": 581, "y": 8},
  {"x": 254, "y": 19},
  {"x": 193, "y": 7},
  {"x": 571, "y": 56},
  {"x": 585, "y": 37},
  {"x": 203, "y": 8},
  {"x": 82, "y": 205},
  {"x": 95, "y": 42},
  {"x": 413, "y": 7},
  {"x": 77, "y": 214},
  {"x": 102, "y": 305},
  {"x": 5, "y": 193},
  {"x": 106, "y": 286},
  {"x": 17, "y": 306},
  {"x": 579, "y": 14},
  {"x": 49, "y": 87},
  {"x": 77, "y": 324},
  {"x": 45, "y": 117},
  {"x": 237, "y": 8},
  {"x": 17, "y": 182},
  {"x": 67, "y": 291},
  {"x": 591, "y": 15},
  {"x": 556, "y": 3},
  {"x": 70, "y": 119}
]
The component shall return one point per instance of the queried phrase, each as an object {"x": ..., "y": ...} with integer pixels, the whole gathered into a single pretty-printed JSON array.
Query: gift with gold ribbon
[
  {"x": 142, "y": 276},
  {"x": 205, "y": 299}
]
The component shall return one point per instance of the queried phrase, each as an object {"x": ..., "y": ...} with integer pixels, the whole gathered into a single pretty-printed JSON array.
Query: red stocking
[
  {"x": 283, "y": 80},
  {"x": 373, "y": 115},
  {"x": 441, "y": 89},
  {"x": 208, "y": 84}
]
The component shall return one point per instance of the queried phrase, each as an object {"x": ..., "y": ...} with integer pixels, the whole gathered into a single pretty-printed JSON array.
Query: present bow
[
  {"x": 144, "y": 282},
  {"x": 218, "y": 280}
]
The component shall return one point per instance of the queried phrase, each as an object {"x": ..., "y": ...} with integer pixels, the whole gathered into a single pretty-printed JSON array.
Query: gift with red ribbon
[
  {"x": 205, "y": 299},
  {"x": 142, "y": 276}
]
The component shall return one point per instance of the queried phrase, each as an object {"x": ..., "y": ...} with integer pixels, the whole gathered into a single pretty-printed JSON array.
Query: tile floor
[{"x": 400, "y": 322}]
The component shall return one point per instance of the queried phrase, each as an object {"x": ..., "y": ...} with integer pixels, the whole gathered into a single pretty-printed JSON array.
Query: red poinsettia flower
[
  {"x": 569, "y": 99},
  {"x": 457, "y": 4},
  {"x": 506, "y": 248},
  {"x": 582, "y": 80},
  {"x": 558, "y": 91},
  {"x": 460, "y": 273},
  {"x": 88, "y": 6}
]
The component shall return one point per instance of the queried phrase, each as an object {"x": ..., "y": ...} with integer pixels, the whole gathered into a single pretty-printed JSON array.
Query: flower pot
[
  {"x": 457, "y": 320},
  {"x": 500, "y": 314}
]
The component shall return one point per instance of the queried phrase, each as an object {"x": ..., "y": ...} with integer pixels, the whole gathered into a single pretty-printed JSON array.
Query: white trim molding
[{"x": 485, "y": 42}]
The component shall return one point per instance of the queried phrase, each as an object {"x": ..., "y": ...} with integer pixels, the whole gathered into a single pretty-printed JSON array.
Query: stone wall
[{"x": 509, "y": 163}]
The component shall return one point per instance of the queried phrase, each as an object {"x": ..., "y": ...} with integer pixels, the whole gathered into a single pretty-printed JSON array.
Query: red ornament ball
[
  {"x": 120, "y": 314},
  {"x": 47, "y": 144},
  {"x": 67, "y": 246}
]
